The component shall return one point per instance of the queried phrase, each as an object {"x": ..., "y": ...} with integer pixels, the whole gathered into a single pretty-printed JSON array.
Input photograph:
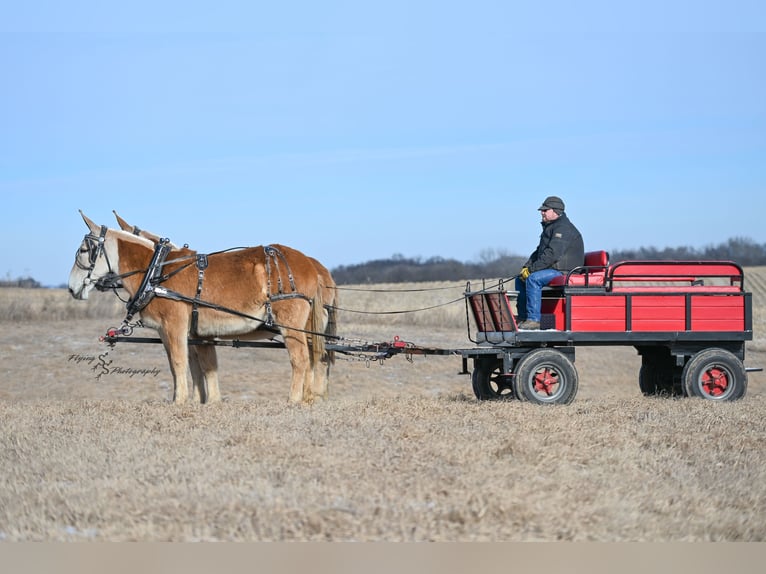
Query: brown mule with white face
[
  {"x": 245, "y": 291},
  {"x": 203, "y": 358}
]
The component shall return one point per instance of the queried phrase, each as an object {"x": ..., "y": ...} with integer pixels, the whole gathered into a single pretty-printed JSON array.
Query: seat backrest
[
  {"x": 591, "y": 273},
  {"x": 596, "y": 259}
]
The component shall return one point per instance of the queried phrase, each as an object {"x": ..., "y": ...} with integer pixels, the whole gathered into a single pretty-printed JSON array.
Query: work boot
[{"x": 529, "y": 325}]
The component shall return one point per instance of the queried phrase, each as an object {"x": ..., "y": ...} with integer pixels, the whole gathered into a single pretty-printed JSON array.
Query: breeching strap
[{"x": 274, "y": 256}]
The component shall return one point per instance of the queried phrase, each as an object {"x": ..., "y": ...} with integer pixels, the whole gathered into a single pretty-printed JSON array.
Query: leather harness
[{"x": 153, "y": 278}]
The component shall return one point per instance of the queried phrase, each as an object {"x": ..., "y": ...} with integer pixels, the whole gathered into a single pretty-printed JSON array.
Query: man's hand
[{"x": 524, "y": 273}]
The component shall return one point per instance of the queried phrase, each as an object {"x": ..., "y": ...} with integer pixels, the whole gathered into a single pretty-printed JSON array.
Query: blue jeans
[{"x": 531, "y": 293}]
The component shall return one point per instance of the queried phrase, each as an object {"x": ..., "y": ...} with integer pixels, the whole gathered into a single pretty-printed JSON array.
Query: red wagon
[{"x": 688, "y": 320}]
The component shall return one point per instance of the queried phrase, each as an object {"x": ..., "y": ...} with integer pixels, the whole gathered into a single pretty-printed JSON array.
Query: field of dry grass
[{"x": 402, "y": 451}]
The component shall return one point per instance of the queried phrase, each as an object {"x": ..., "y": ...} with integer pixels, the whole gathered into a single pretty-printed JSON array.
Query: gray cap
[{"x": 552, "y": 202}]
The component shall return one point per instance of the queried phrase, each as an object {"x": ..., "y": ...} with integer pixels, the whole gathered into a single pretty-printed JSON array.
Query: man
[{"x": 560, "y": 250}]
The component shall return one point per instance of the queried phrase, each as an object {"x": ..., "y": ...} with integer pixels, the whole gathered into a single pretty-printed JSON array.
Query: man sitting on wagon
[{"x": 560, "y": 250}]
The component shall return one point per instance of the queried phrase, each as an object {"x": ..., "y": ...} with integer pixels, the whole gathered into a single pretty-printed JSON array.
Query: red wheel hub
[
  {"x": 545, "y": 381},
  {"x": 714, "y": 381}
]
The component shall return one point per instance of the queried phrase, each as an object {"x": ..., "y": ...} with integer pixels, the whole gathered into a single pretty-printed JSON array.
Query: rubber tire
[
  {"x": 489, "y": 382},
  {"x": 556, "y": 364},
  {"x": 698, "y": 370}
]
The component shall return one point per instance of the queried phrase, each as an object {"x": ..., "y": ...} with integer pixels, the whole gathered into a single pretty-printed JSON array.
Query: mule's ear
[
  {"x": 124, "y": 225},
  {"x": 91, "y": 225}
]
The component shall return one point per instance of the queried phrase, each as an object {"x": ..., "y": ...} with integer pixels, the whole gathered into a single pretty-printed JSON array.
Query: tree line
[
  {"x": 498, "y": 264},
  {"x": 24, "y": 282}
]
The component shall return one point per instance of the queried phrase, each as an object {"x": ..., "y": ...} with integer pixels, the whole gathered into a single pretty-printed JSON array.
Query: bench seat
[{"x": 590, "y": 274}]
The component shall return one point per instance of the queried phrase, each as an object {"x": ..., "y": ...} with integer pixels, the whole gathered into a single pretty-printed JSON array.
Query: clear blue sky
[{"x": 357, "y": 130}]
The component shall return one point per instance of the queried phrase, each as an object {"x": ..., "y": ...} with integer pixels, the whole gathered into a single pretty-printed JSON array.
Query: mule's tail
[{"x": 332, "y": 324}]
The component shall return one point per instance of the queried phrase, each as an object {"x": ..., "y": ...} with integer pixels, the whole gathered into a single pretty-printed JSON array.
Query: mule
[
  {"x": 252, "y": 292},
  {"x": 203, "y": 359}
]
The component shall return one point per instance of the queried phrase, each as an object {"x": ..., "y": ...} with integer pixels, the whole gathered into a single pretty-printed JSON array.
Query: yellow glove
[{"x": 524, "y": 273}]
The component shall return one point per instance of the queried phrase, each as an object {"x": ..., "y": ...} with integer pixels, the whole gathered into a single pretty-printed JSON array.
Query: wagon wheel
[
  {"x": 546, "y": 376},
  {"x": 490, "y": 382},
  {"x": 716, "y": 375}
]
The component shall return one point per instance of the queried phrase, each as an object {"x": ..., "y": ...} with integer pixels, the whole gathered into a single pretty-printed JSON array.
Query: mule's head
[{"x": 95, "y": 260}]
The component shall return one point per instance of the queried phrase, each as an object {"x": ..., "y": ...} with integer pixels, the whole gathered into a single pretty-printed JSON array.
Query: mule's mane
[
  {"x": 148, "y": 243},
  {"x": 129, "y": 237}
]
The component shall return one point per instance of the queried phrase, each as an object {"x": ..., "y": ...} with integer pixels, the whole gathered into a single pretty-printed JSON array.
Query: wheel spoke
[
  {"x": 490, "y": 382},
  {"x": 501, "y": 383}
]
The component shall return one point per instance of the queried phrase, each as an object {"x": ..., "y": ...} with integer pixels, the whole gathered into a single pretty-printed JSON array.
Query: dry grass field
[{"x": 401, "y": 451}]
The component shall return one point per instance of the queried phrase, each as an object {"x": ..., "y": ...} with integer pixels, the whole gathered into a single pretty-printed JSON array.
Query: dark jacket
[{"x": 561, "y": 247}]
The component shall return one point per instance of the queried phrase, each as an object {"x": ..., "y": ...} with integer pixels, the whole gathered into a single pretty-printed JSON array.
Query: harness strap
[
  {"x": 202, "y": 264},
  {"x": 272, "y": 254},
  {"x": 175, "y": 296},
  {"x": 150, "y": 287},
  {"x": 152, "y": 277}
]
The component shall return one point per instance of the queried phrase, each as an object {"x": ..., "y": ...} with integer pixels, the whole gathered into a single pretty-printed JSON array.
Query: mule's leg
[
  {"x": 321, "y": 381},
  {"x": 208, "y": 365},
  {"x": 324, "y": 386},
  {"x": 300, "y": 361},
  {"x": 198, "y": 377},
  {"x": 317, "y": 352},
  {"x": 177, "y": 349},
  {"x": 320, "y": 376}
]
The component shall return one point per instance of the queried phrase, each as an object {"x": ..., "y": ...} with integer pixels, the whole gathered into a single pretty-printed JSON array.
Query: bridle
[
  {"x": 95, "y": 248},
  {"x": 94, "y": 245}
]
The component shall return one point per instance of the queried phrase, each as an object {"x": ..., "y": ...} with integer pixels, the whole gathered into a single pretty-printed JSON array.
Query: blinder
[{"x": 94, "y": 245}]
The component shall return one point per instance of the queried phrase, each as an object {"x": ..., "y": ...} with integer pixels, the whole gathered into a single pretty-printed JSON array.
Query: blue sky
[{"x": 359, "y": 130}]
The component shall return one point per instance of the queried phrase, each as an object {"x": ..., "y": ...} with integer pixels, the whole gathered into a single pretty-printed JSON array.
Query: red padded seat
[{"x": 590, "y": 274}]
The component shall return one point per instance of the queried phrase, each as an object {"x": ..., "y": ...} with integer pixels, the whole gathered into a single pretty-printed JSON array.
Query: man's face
[{"x": 548, "y": 215}]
